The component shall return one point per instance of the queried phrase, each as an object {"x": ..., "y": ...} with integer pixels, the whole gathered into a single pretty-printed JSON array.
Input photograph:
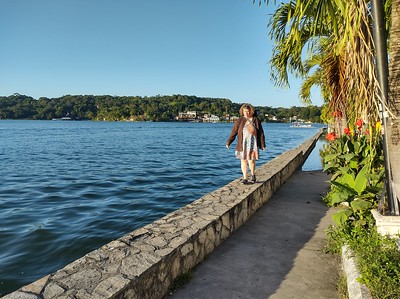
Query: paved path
[{"x": 277, "y": 253}]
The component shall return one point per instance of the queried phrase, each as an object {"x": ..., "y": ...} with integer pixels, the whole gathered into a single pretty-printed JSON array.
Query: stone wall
[{"x": 145, "y": 262}]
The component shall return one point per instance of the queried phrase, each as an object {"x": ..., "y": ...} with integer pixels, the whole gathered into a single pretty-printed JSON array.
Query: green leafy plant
[
  {"x": 355, "y": 161},
  {"x": 377, "y": 257}
]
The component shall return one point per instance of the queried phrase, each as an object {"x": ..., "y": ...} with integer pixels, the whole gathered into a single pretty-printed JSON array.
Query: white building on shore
[{"x": 210, "y": 118}]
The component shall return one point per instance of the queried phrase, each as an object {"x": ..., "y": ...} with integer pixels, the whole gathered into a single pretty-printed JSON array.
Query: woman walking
[{"x": 251, "y": 138}]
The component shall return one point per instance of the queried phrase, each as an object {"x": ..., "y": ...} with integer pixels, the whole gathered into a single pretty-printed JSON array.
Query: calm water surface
[{"x": 69, "y": 187}]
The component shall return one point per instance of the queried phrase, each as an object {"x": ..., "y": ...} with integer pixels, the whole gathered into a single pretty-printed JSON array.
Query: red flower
[
  {"x": 347, "y": 131},
  {"x": 366, "y": 132},
  {"x": 359, "y": 123},
  {"x": 331, "y": 136}
]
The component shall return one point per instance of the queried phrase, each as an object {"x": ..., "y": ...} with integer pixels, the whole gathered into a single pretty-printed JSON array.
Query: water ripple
[{"x": 69, "y": 187}]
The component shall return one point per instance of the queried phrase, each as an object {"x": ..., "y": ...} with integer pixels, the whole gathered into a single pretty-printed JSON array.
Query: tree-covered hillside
[{"x": 155, "y": 108}]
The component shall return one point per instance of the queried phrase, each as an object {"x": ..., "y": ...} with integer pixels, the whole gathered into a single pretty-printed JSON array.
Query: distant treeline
[{"x": 135, "y": 108}]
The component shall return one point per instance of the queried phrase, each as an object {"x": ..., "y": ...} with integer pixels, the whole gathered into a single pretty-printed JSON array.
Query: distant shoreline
[{"x": 134, "y": 108}]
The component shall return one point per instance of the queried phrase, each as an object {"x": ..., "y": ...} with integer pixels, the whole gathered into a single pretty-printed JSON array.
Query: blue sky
[{"x": 207, "y": 48}]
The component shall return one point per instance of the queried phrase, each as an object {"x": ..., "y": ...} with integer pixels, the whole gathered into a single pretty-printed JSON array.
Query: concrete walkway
[{"x": 277, "y": 253}]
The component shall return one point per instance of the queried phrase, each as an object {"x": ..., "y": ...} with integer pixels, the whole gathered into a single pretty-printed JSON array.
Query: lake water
[{"x": 68, "y": 187}]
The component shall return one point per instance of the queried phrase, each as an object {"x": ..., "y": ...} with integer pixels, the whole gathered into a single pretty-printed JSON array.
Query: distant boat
[
  {"x": 63, "y": 118},
  {"x": 300, "y": 124}
]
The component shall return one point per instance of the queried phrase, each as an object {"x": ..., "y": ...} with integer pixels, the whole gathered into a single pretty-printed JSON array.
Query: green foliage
[
  {"x": 157, "y": 108},
  {"x": 355, "y": 161},
  {"x": 356, "y": 164},
  {"x": 339, "y": 235},
  {"x": 378, "y": 257}
]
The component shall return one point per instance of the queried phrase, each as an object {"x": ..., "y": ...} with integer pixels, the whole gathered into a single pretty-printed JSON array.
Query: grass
[{"x": 378, "y": 258}]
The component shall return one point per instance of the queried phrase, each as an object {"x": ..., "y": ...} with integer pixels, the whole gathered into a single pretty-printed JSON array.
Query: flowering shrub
[
  {"x": 331, "y": 136},
  {"x": 359, "y": 124},
  {"x": 355, "y": 160}
]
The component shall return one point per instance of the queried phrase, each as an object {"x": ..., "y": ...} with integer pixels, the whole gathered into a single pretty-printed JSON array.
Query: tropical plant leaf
[
  {"x": 374, "y": 189},
  {"x": 338, "y": 197},
  {"x": 344, "y": 188},
  {"x": 348, "y": 179},
  {"x": 360, "y": 205},
  {"x": 360, "y": 183},
  {"x": 345, "y": 170},
  {"x": 359, "y": 222},
  {"x": 347, "y": 157},
  {"x": 342, "y": 216},
  {"x": 353, "y": 164},
  {"x": 330, "y": 157}
]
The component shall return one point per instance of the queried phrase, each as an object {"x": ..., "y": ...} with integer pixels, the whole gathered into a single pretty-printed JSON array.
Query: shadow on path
[{"x": 277, "y": 253}]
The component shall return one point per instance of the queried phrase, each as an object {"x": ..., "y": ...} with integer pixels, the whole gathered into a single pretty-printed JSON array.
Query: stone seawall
[{"x": 145, "y": 262}]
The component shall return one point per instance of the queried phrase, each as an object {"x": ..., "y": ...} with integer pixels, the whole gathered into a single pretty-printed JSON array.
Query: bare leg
[
  {"x": 252, "y": 165},
  {"x": 243, "y": 164}
]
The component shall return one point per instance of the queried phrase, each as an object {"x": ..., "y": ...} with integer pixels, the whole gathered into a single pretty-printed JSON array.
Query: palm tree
[{"x": 334, "y": 39}]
